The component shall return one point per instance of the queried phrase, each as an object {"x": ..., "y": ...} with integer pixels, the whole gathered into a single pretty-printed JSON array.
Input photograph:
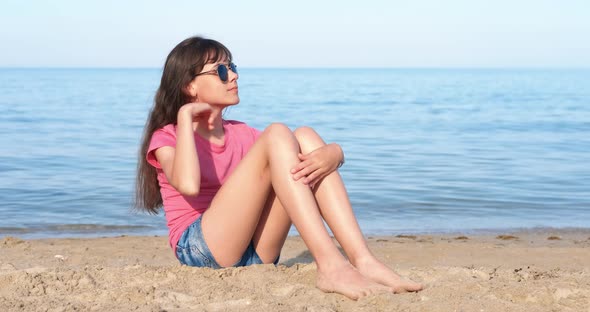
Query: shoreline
[
  {"x": 89, "y": 231},
  {"x": 513, "y": 271}
]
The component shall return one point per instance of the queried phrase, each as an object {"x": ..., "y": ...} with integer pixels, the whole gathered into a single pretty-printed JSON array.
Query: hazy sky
[{"x": 304, "y": 33}]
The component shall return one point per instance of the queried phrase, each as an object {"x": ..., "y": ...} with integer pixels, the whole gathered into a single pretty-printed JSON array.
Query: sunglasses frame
[{"x": 218, "y": 73}]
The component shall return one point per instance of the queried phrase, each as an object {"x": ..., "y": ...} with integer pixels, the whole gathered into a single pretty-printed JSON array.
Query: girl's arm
[
  {"x": 181, "y": 164},
  {"x": 318, "y": 164}
]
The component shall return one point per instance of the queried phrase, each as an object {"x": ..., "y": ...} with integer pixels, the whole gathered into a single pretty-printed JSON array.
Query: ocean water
[{"x": 427, "y": 150}]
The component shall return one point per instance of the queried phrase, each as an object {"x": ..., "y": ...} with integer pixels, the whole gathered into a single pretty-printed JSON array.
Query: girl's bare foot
[
  {"x": 378, "y": 272},
  {"x": 348, "y": 281}
]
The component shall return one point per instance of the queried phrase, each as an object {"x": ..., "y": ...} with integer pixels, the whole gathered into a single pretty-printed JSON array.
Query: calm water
[{"x": 426, "y": 150}]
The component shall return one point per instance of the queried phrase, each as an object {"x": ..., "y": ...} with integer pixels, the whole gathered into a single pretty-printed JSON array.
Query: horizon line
[{"x": 322, "y": 67}]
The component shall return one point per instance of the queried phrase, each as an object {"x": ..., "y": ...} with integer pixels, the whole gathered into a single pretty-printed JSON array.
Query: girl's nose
[{"x": 232, "y": 76}]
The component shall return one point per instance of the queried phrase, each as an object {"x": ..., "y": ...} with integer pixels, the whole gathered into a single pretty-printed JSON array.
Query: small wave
[
  {"x": 14, "y": 230},
  {"x": 73, "y": 228}
]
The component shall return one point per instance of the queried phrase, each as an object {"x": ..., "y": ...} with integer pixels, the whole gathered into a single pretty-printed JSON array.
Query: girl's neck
[{"x": 216, "y": 132}]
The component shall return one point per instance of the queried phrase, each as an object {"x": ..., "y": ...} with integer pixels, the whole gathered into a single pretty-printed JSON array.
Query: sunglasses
[{"x": 222, "y": 71}]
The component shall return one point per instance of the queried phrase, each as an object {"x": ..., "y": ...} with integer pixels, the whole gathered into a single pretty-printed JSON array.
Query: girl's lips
[{"x": 234, "y": 89}]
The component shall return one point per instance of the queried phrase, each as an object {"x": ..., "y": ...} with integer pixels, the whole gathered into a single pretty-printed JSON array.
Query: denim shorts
[{"x": 192, "y": 250}]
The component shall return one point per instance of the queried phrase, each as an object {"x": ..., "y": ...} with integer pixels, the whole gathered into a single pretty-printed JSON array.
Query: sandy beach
[{"x": 544, "y": 270}]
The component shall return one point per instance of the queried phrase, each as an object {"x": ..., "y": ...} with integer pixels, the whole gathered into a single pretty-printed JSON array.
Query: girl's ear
[{"x": 191, "y": 90}]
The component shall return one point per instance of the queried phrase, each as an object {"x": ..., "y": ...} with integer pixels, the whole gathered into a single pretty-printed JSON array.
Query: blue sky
[{"x": 396, "y": 33}]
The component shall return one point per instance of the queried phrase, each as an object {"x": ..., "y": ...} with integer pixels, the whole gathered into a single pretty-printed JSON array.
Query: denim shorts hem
[{"x": 192, "y": 250}]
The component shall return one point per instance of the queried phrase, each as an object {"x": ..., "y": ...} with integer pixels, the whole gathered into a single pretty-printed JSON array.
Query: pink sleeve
[{"x": 162, "y": 137}]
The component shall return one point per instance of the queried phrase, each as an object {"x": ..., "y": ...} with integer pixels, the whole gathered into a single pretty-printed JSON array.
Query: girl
[{"x": 231, "y": 192}]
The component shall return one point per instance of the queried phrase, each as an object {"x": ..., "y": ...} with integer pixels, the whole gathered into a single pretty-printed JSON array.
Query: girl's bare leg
[
  {"x": 272, "y": 230},
  {"x": 232, "y": 219},
  {"x": 336, "y": 209}
]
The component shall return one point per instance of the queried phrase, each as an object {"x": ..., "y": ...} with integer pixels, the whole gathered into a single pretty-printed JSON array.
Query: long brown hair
[{"x": 182, "y": 64}]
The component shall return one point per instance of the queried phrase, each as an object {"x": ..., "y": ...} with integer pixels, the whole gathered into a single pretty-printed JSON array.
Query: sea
[{"x": 427, "y": 150}]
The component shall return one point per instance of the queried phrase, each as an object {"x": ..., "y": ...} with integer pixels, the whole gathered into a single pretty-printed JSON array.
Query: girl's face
[{"x": 208, "y": 86}]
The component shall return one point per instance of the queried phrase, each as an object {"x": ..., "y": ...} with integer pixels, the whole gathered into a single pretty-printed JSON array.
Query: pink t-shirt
[{"x": 217, "y": 162}]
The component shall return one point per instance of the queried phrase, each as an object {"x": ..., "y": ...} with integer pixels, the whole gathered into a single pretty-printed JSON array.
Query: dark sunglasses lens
[
  {"x": 233, "y": 67},
  {"x": 222, "y": 72}
]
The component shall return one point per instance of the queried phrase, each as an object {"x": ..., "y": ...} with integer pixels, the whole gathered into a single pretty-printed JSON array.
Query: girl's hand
[
  {"x": 318, "y": 164},
  {"x": 196, "y": 112}
]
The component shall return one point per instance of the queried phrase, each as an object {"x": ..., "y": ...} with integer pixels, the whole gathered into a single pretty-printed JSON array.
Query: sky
[{"x": 304, "y": 33}]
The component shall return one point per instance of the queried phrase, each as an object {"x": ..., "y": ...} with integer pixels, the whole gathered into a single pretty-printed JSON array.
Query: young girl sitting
[{"x": 230, "y": 192}]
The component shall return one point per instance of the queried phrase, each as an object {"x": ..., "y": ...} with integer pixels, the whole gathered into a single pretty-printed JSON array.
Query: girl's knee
[
  {"x": 307, "y": 135},
  {"x": 305, "y": 131},
  {"x": 277, "y": 132},
  {"x": 277, "y": 127}
]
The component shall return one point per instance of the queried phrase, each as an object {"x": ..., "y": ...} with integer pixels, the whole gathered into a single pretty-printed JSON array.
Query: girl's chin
[
  {"x": 232, "y": 103},
  {"x": 235, "y": 101}
]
